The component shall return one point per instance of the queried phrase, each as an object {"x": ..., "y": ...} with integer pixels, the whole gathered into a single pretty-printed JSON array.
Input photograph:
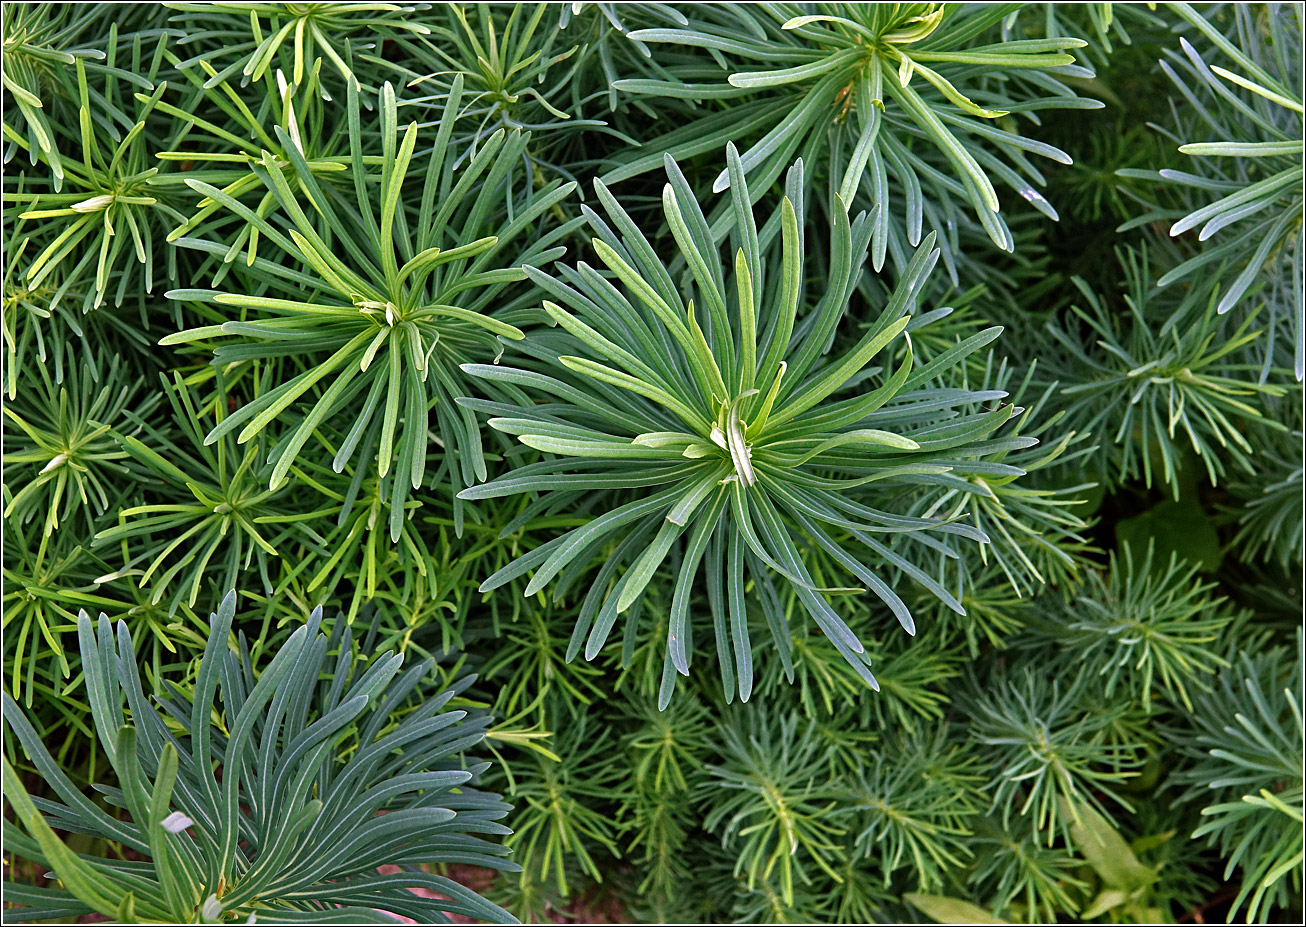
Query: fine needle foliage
[
  {"x": 832, "y": 462},
  {"x": 253, "y": 39},
  {"x": 1247, "y": 154},
  {"x": 1151, "y": 628},
  {"x": 1158, "y": 376},
  {"x": 103, "y": 215},
  {"x": 1246, "y": 767}
]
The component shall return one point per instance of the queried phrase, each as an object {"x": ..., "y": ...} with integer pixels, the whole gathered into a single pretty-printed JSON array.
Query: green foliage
[
  {"x": 518, "y": 74},
  {"x": 1021, "y": 873},
  {"x": 389, "y": 332},
  {"x": 1270, "y": 519},
  {"x": 557, "y": 822},
  {"x": 328, "y": 771},
  {"x": 100, "y": 211},
  {"x": 912, "y": 808},
  {"x": 65, "y": 451},
  {"x": 857, "y": 62},
  {"x": 950, "y": 910},
  {"x": 738, "y": 443},
  {"x": 1034, "y": 535},
  {"x": 774, "y": 819},
  {"x": 251, "y": 40},
  {"x": 1125, "y": 881},
  {"x": 1048, "y": 750},
  {"x": 1246, "y": 769},
  {"x": 1157, "y": 374},
  {"x": 556, "y": 349},
  {"x": 40, "y": 42},
  {"x": 211, "y": 495},
  {"x": 1145, "y": 628},
  {"x": 1243, "y": 126}
]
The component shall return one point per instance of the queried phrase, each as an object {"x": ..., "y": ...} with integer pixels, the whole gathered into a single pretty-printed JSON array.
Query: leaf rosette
[
  {"x": 749, "y": 444},
  {"x": 386, "y": 298}
]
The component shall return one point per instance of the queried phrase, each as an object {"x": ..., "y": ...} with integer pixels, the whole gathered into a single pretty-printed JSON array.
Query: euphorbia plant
[
  {"x": 750, "y": 446},
  {"x": 320, "y": 767}
]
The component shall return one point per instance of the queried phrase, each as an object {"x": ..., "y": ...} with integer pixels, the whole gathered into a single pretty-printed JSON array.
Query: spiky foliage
[
  {"x": 775, "y": 817},
  {"x": 391, "y": 331},
  {"x": 1246, "y": 769},
  {"x": 1021, "y": 873},
  {"x": 37, "y": 322},
  {"x": 424, "y": 251},
  {"x": 1157, "y": 373},
  {"x": 913, "y": 805},
  {"x": 282, "y": 116},
  {"x": 1270, "y": 520},
  {"x": 207, "y": 516},
  {"x": 41, "y": 40},
  {"x": 559, "y": 823},
  {"x": 1147, "y": 623},
  {"x": 1047, "y": 754},
  {"x": 1095, "y": 186},
  {"x": 292, "y": 831},
  {"x": 518, "y": 69},
  {"x": 1108, "y": 26},
  {"x": 62, "y": 448},
  {"x": 1034, "y": 535},
  {"x": 873, "y": 89},
  {"x": 101, "y": 213},
  {"x": 745, "y": 457},
  {"x": 1241, "y": 123},
  {"x": 251, "y": 41}
]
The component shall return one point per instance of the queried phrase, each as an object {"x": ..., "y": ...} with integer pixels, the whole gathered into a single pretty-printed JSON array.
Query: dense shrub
[{"x": 816, "y": 462}]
